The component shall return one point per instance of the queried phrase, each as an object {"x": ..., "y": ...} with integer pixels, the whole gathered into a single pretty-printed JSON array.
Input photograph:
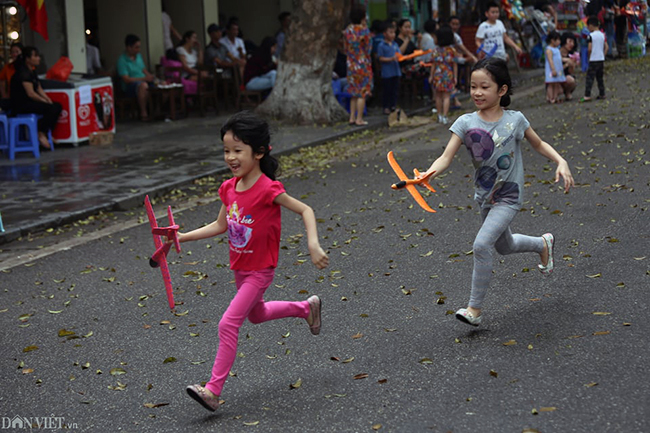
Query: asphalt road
[{"x": 87, "y": 331}]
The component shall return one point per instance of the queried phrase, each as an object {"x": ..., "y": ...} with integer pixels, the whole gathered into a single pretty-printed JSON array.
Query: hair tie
[{"x": 270, "y": 148}]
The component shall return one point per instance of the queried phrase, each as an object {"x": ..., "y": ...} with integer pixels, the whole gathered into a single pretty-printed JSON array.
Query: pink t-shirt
[{"x": 254, "y": 223}]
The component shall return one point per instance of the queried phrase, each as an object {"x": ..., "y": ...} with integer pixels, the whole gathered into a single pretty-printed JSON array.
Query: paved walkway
[{"x": 72, "y": 183}]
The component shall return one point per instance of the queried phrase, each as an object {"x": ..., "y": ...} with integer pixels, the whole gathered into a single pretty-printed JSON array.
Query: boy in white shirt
[
  {"x": 597, "y": 51},
  {"x": 492, "y": 32}
]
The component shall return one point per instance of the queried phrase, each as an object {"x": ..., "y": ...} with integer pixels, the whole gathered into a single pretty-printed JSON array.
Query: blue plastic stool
[
  {"x": 4, "y": 132},
  {"x": 49, "y": 133},
  {"x": 28, "y": 143},
  {"x": 344, "y": 98}
]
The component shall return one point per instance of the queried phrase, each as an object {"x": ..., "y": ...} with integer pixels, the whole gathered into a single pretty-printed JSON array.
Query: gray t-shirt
[
  {"x": 495, "y": 149},
  {"x": 213, "y": 51}
]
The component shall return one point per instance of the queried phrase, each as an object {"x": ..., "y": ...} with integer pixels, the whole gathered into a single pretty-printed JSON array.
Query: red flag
[{"x": 37, "y": 16}]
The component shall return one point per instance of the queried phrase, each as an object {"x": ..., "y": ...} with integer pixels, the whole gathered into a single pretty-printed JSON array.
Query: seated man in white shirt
[{"x": 234, "y": 44}]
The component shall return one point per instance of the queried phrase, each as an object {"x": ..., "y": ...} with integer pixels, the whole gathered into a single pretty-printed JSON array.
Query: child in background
[
  {"x": 597, "y": 51},
  {"x": 493, "y": 138},
  {"x": 454, "y": 23},
  {"x": 493, "y": 32},
  {"x": 444, "y": 73},
  {"x": 554, "y": 68},
  {"x": 251, "y": 213},
  {"x": 390, "y": 71}
]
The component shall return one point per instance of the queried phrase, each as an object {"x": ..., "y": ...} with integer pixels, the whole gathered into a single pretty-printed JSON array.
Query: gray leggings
[{"x": 495, "y": 234}]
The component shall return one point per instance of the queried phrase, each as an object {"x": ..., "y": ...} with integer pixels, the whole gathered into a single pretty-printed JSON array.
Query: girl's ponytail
[
  {"x": 251, "y": 129},
  {"x": 269, "y": 165}
]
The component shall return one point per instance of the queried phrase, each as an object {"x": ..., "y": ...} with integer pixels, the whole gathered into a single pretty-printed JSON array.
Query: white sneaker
[
  {"x": 549, "y": 239},
  {"x": 465, "y": 316}
]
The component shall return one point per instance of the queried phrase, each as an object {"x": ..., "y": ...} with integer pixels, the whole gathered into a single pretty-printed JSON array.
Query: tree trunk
[{"x": 303, "y": 89}]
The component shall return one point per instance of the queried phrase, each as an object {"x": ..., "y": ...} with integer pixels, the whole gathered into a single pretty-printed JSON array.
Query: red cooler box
[{"x": 87, "y": 107}]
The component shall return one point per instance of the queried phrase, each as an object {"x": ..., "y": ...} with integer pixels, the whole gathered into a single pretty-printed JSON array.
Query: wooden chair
[
  {"x": 123, "y": 103},
  {"x": 225, "y": 84},
  {"x": 206, "y": 90},
  {"x": 243, "y": 96}
]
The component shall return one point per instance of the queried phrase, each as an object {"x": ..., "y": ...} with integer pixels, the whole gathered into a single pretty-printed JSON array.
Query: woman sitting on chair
[
  {"x": 28, "y": 97},
  {"x": 190, "y": 54},
  {"x": 260, "y": 71}
]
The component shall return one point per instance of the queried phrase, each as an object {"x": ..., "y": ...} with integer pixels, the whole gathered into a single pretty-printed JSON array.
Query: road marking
[{"x": 69, "y": 244}]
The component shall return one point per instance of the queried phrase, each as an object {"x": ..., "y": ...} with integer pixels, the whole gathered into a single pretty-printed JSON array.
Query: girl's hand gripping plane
[
  {"x": 159, "y": 257},
  {"x": 409, "y": 184}
]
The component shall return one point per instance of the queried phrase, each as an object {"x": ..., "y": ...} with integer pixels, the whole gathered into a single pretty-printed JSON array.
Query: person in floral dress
[
  {"x": 444, "y": 72},
  {"x": 358, "y": 46}
]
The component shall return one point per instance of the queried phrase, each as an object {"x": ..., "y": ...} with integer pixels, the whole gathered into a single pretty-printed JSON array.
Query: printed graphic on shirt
[
  {"x": 482, "y": 146},
  {"x": 238, "y": 234}
]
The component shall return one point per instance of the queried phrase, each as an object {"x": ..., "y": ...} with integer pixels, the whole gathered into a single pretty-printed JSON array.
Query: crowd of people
[
  {"x": 379, "y": 56},
  {"x": 370, "y": 60},
  {"x": 385, "y": 50},
  {"x": 254, "y": 65}
]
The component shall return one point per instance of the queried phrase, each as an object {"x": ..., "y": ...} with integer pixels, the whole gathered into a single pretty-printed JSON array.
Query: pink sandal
[
  {"x": 314, "y": 311},
  {"x": 208, "y": 400}
]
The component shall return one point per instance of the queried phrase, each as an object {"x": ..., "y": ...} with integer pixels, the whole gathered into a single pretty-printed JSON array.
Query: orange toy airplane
[
  {"x": 414, "y": 54},
  {"x": 407, "y": 183}
]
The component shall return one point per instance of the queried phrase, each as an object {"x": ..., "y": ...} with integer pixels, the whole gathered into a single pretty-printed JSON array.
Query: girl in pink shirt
[{"x": 251, "y": 214}]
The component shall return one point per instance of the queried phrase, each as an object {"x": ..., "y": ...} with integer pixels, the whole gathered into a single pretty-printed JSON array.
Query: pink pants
[{"x": 247, "y": 303}]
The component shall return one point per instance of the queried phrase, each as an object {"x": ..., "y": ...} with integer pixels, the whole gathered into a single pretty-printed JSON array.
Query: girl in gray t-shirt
[{"x": 493, "y": 139}]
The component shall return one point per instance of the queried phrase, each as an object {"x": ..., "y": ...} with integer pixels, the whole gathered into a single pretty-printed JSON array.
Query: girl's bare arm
[
  {"x": 217, "y": 227},
  {"x": 441, "y": 164},
  {"x": 546, "y": 150},
  {"x": 318, "y": 256}
]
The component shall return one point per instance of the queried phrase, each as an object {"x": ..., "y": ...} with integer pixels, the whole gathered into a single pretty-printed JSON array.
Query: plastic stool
[
  {"x": 16, "y": 144},
  {"x": 4, "y": 132},
  {"x": 49, "y": 133}
]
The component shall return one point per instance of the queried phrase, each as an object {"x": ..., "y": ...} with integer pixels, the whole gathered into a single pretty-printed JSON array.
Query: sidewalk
[{"x": 73, "y": 183}]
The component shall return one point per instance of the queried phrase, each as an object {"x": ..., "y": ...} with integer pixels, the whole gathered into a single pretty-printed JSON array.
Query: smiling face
[
  {"x": 240, "y": 157},
  {"x": 484, "y": 90}
]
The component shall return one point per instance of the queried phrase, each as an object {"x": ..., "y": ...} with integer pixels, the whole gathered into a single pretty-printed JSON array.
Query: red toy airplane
[
  {"x": 407, "y": 183},
  {"x": 159, "y": 258}
]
